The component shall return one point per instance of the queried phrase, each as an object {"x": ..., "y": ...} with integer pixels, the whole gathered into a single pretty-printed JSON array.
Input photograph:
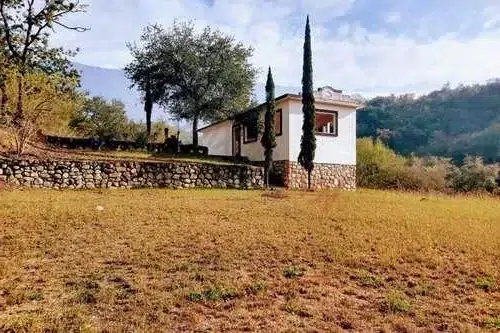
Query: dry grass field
[{"x": 159, "y": 260}]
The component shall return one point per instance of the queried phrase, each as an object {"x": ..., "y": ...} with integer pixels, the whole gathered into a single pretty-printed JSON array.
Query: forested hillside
[{"x": 448, "y": 122}]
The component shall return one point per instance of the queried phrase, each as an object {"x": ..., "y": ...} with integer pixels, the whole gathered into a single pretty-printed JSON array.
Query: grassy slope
[
  {"x": 43, "y": 151},
  {"x": 185, "y": 260}
]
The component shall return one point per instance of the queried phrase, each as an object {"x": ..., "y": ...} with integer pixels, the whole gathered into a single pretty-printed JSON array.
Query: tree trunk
[
  {"x": 20, "y": 100},
  {"x": 148, "y": 108},
  {"x": 266, "y": 173},
  {"x": 195, "y": 132},
  {"x": 4, "y": 99},
  {"x": 309, "y": 179},
  {"x": 148, "y": 120}
]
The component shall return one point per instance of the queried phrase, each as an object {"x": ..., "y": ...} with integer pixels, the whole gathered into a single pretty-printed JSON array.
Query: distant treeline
[
  {"x": 380, "y": 167},
  {"x": 171, "y": 145},
  {"x": 455, "y": 123},
  {"x": 96, "y": 143}
]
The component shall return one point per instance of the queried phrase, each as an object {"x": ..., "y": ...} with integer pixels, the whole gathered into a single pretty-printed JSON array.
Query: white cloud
[
  {"x": 492, "y": 16},
  {"x": 349, "y": 56},
  {"x": 393, "y": 17}
]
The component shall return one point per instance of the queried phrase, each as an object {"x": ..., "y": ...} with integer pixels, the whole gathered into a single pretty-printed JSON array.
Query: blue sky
[{"x": 362, "y": 46}]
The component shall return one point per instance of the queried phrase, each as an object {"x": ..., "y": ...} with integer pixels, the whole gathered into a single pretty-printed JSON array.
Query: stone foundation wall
[
  {"x": 324, "y": 176},
  {"x": 125, "y": 174}
]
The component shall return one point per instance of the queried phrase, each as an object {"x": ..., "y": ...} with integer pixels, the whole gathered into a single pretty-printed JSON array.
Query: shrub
[
  {"x": 397, "y": 302},
  {"x": 35, "y": 296},
  {"x": 424, "y": 288},
  {"x": 141, "y": 139},
  {"x": 430, "y": 172},
  {"x": 295, "y": 309},
  {"x": 377, "y": 164},
  {"x": 369, "y": 280},
  {"x": 293, "y": 272},
  {"x": 473, "y": 176},
  {"x": 381, "y": 168},
  {"x": 493, "y": 322},
  {"x": 256, "y": 288},
  {"x": 486, "y": 283}
]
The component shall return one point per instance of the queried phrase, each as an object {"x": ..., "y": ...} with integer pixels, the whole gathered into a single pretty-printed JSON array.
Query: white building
[{"x": 335, "y": 159}]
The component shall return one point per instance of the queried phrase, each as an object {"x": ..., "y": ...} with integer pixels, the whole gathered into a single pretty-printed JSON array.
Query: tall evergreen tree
[
  {"x": 268, "y": 140},
  {"x": 308, "y": 140}
]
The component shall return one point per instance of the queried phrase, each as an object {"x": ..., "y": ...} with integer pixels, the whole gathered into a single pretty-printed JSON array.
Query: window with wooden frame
[
  {"x": 278, "y": 122},
  {"x": 251, "y": 131},
  {"x": 327, "y": 122}
]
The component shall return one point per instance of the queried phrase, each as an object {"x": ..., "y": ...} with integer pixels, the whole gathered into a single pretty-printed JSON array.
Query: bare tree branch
[
  {"x": 8, "y": 37},
  {"x": 79, "y": 29},
  {"x": 28, "y": 31}
]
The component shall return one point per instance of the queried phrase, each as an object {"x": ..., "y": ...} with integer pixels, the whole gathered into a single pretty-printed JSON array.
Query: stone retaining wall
[
  {"x": 324, "y": 176},
  {"x": 125, "y": 174}
]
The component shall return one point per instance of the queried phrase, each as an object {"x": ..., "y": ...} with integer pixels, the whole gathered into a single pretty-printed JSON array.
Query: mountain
[
  {"x": 112, "y": 84},
  {"x": 446, "y": 122}
]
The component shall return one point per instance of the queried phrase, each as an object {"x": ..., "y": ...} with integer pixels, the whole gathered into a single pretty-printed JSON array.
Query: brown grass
[
  {"x": 156, "y": 260},
  {"x": 40, "y": 150}
]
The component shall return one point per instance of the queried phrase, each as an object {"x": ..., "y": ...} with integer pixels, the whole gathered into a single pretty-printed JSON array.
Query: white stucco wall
[
  {"x": 329, "y": 149},
  {"x": 254, "y": 150},
  {"x": 334, "y": 150},
  {"x": 218, "y": 138}
]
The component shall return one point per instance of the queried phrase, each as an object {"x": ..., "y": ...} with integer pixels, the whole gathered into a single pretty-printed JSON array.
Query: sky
[{"x": 371, "y": 47}]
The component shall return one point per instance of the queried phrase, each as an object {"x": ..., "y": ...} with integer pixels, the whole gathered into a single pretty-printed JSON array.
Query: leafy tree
[
  {"x": 24, "y": 38},
  {"x": 49, "y": 103},
  {"x": 142, "y": 71},
  {"x": 101, "y": 119},
  {"x": 268, "y": 140},
  {"x": 308, "y": 140},
  {"x": 202, "y": 76}
]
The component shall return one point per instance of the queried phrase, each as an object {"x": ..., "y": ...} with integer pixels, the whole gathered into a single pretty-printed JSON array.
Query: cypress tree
[
  {"x": 268, "y": 140},
  {"x": 308, "y": 140}
]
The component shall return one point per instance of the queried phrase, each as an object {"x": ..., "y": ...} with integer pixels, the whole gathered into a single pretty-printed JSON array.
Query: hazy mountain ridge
[{"x": 113, "y": 84}]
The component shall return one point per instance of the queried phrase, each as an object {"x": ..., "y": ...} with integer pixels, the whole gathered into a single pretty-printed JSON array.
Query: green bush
[
  {"x": 474, "y": 176},
  {"x": 397, "y": 301},
  {"x": 293, "y": 272},
  {"x": 142, "y": 139},
  {"x": 381, "y": 168},
  {"x": 487, "y": 283},
  {"x": 378, "y": 166}
]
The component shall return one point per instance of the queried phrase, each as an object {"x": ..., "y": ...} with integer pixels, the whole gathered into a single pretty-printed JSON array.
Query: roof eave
[{"x": 279, "y": 98}]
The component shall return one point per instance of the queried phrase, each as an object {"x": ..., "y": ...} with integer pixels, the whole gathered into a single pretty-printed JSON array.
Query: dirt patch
[{"x": 275, "y": 194}]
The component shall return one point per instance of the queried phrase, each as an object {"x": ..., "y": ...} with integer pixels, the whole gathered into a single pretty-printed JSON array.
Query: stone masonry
[
  {"x": 125, "y": 174},
  {"x": 324, "y": 176}
]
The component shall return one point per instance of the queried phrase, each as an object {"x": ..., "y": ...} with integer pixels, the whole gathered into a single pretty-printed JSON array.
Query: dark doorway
[
  {"x": 276, "y": 179},
  {"x": 237, "y": 141}
]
